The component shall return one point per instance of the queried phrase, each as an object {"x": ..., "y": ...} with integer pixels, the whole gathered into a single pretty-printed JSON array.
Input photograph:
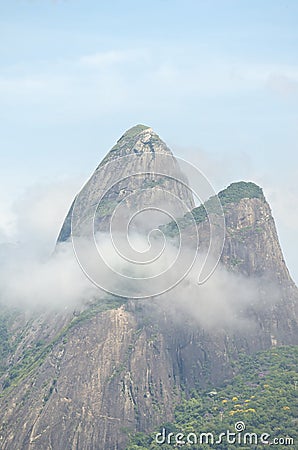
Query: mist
[
  {"x": 32, "y": 273},
  {"x": 225, "y": 300},
  {"x": 35, "y": 273}
]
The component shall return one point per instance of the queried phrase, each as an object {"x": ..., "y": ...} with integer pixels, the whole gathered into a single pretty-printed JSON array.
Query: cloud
[
  {"x": 54, "y": 282},
  {"x": 209, "y": 76},
  {"x": 38, "y": 213},
  {"x": 283, "y": 84},
  {"x": 32, "y": 274},
  {"x": 280, "y": 186},
  {"x": 281, "y": 193},
  {"x": 21, "y": 86},
  {"x": 283, "y": 198},
  {"x": 92, "y": 84},
  {"x": 220, "y": 169},
  {"x": 223, "y": 301},
  {"x": 108, "y": 58}
]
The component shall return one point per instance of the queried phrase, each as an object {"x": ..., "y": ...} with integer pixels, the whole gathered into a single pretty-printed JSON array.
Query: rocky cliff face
[
  {"x": 84, "y": 379},
  {"x": 140, "y": 170},
  {"x": 252, "y": 249}
]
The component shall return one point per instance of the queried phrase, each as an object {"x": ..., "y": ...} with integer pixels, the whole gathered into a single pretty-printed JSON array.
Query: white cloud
[
  {"x": 35, "y": 217},
  {"x": 22, "y": 85},
  {"x": 223, "y": 300},
  {"x": 209, "y": 77},
  {"x": 108, "y": 58},
  {"x": 162, "y": 72},
  {"x": 283, "y": 198},
  {"x": 283, "y": 83},
  {"x": 135, "y": 80},
  {"x": 31, "y": 274},
  {"x": 280, "y": 187}
]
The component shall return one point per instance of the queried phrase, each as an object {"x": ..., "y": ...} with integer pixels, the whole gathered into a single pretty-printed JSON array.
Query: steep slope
[
  {"x": 262, "y": 397},
  {"x": 252, "y": 249},
  {"x": 139, "y": 170},
  {"x": 86, "y": 378}
]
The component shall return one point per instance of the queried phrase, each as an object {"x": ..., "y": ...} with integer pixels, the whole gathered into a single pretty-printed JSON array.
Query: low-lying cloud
[
  {"x": 35, "y": 274},
  {"x": 30, "y": 281},
  {"x": 225, "y": 300},
  {"x": 31, "y": 273}
]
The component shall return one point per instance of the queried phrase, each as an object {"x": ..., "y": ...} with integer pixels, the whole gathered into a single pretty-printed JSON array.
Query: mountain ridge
[{"x": 86, "y": 377}]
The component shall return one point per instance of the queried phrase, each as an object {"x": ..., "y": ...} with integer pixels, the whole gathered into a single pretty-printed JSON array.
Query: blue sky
[{"x": 218, "y": 80}]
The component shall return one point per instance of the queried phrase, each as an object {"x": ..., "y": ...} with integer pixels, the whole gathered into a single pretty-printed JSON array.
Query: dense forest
[{"x": 260, "y": 400}]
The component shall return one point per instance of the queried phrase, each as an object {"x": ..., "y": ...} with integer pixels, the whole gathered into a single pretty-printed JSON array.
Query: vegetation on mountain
[
  {"x": 127, "y": 137},
  {"x": 237, "y": 191},
  {"x": 32, "y": 356},
  {"x": 263, "y": 395},
  {"x": 232, "y": 194},
  {"x": 134, "y": 131},
  {"x": 4, "y": 343}
]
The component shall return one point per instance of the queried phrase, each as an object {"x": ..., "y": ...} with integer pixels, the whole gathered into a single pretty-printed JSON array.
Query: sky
[{"x": 217, "y": 80}]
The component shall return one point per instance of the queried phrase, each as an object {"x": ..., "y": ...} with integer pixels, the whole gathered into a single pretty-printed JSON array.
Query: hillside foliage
[
  {"x": 232, "y": 194},
  {"x": 263, "y": 396}
]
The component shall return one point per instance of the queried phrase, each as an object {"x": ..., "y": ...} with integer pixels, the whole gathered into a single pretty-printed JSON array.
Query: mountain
[
  {"x": 87, "y": 378},
  {"x": 138, "y": 171}
]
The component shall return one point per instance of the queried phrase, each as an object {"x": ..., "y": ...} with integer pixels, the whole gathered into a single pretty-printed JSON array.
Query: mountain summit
[{"x": 138, "y": 172}]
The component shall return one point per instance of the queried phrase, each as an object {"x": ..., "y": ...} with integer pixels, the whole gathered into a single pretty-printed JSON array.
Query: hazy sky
[{"x": 217, "y": 80}]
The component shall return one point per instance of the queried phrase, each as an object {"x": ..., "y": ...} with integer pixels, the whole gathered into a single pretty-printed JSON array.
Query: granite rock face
[
  {"x": 85, "y": 378},
  {"x": 139, "y": 171},
  {"x": 252, "y": 249}
]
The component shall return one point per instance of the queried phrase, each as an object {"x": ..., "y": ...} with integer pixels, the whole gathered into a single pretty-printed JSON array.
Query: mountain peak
[
  {"x": 134, "y": 131},
  {"x": 138, "y": 140},
  {"x": 240, "y": 190},
  {"x": 135, "y": 168}
]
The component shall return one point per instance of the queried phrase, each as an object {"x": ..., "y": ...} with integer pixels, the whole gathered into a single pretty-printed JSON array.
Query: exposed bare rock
[{"x": 139, "y": 171}]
